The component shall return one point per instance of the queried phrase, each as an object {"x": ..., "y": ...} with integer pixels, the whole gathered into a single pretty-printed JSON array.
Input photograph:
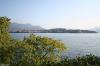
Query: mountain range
[
  {"x": 19, "y": 27},
  {"x": 15, "y": 27}
]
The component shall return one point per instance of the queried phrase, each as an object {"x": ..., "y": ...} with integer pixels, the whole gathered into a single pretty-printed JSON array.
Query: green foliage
[
  {"x": 4, "y": 23},
  {"x": 33, "y": 50},
  {"x": 88, "y": 60},
  {"x": 5, "y": 40},
  {"x": 45, "y": 49},
  {"x": 11, "y": 50}
]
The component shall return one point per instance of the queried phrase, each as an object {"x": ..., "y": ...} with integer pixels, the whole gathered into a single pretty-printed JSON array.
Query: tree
[
  {"x": 4, "y": 39},
  {"x": 45, "y": 49},
  {"x": 11, "y": 51},
  {"x": 33, "y": 50}
]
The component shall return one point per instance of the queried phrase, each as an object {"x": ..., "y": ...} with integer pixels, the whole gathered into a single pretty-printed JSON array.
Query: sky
[{"x": 69, "y": 14}]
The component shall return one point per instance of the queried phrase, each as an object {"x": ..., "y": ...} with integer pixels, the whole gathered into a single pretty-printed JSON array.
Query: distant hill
[
  {"x": 23, "y": 27},
  {"x": 97, "y": 29},
  {"x": 63, "y": 30}
]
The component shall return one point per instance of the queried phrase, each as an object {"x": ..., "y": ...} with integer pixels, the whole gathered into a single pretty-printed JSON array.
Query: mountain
[{"x": 23, "y": 27}]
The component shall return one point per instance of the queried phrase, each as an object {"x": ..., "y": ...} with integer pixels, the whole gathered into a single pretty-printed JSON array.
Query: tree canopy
[{"x": 31, "y": 50}]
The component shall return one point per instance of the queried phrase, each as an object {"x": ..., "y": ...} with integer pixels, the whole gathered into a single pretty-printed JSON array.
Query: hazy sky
[{"x": 77, "y": 14}]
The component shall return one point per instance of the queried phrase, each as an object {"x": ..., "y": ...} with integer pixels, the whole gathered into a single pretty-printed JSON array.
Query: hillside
[
  {"x": 63, "y": 30},
  {"x": 14, "y": 27},
  {"x": 26, "y": 28},
  {"x": 97, "y": 29}
]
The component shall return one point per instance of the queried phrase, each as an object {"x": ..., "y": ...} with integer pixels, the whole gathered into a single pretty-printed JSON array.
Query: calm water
[{"x": 78, "y": 43}]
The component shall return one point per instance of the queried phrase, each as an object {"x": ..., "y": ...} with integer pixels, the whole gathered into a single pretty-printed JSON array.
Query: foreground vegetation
[
  {"x": 88, "y": 60},
  {"x": 36, "y": 51}
]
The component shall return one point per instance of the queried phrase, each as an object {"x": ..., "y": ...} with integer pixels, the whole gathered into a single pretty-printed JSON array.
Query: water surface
[{"x": 78, "y": 43}]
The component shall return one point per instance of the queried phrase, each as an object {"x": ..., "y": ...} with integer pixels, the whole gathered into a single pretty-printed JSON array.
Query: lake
[{"x": 77, "y": 43}]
